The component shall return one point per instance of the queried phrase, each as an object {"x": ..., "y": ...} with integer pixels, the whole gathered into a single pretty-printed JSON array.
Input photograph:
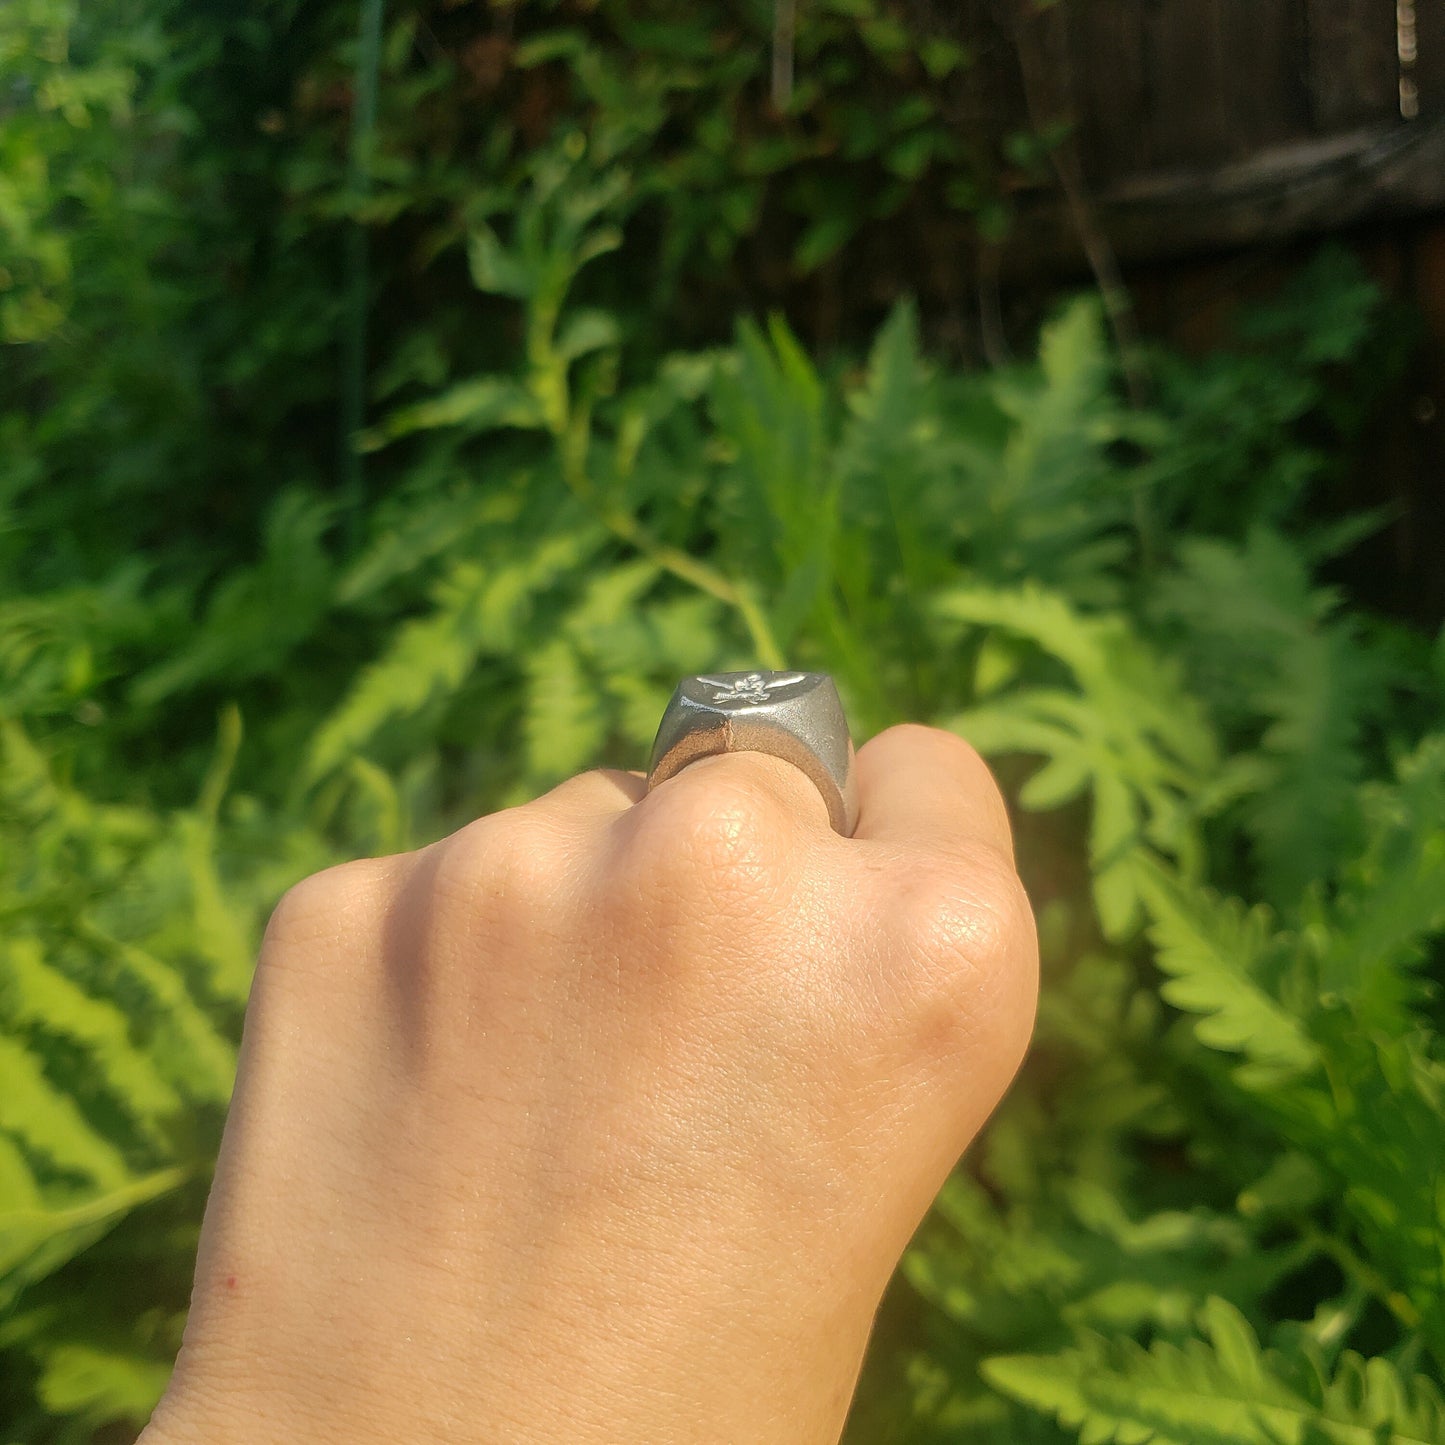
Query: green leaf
[
  {"x": 1276, "y": 663},
  {"x": 586, "y": 330},
  {"x": 258, "y": 614},
  {"x": 496, "y": 269},
  {"x": 1390, "y": 906},
  {"x": 942, "y": 57},
  {"x": 47, "y": 1121},
  {"x": 422, "y": 525},
  {"x": 1128, "y": 727},
  {"x": 822, "y": 240},
  {"x": 37, "y": 1238},
  {"x": 37, "y": 996},
  {"x": 222, "y": 935},
  {"x": 563, "y": 724},
  {"x": 187, "y": 1046},
  {"x": 481, "y": 403},
  {"x": 478, "y": 610},
  {"x": 768, "y": 406},
  {"x": 1213, "y": 952},
  {"x": 1220, "y": 1390},
  {"x": 83, "y": 1379}
]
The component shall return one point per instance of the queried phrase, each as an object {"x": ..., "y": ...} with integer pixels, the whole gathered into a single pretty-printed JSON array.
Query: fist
[{"x": 607, "y": 1117}]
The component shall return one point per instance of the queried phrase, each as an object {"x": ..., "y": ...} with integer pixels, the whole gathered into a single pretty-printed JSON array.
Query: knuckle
[
  {"x": 324, "y": 908},
  {"x": 587, "y": 792},
  {"x": 695, "y": 863},
  {"x": 974, "y": 952},
  {"x": 975, "y": 912},
  {"x": 733, "y": 833},
  {"x": 507, "y": 862}
]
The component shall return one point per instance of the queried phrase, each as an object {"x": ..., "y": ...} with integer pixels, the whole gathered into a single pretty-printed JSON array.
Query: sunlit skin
[{"x": 608, "y": 1117}]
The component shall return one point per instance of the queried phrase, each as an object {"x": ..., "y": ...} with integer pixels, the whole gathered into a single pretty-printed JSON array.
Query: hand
[{"x": 608, "y": 1117}]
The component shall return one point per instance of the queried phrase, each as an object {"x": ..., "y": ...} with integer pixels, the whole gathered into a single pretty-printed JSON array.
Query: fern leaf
[
  {"x": 1379, "y": 1123},
  {"x": 896, "y": 476},
  {"x": 426, "y": 658},
  {"x": 1128, "y": 730},
  {"x": 886, "y": 408},
  {"x": 768, "y": 405},
  {"x": 48, "y": 1122},
  {"x": 379, "y": 807},
  {"x": 479, "y": 611},
  {"x": 36, "y": 1238},
  {"x": 608, "y": 598},
  {"x": 1051, "y": 1242},
  {"x": 414, "y": 529},
  {"x": 563, "y": 724},
  {"x": 1289, "y": 680},
  {"x": 19, "y": 1189},
  {"x": 481, "y": 403},
  {"x": 1220, "y": 1390},
  {"x": 188, "y": 1048},
  {"x": 1391, "y": 900},
  {"x": 1052, "y": 502},
  {"x": 35, "y": 995},
  {"x": 1212, "y": 951},
  {"x": 258, "y": 614},
  {"x": 220, "y": 934}
]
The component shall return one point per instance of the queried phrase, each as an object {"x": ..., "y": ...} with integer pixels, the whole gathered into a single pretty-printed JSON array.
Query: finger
[
  {"x": 597, "y": 793},
  {"x": 774, "y": 785},
  {"x": 923, "y": 785}
]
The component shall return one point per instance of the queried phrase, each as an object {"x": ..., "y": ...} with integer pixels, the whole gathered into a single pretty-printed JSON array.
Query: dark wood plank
[
  {"x": 1111, "y": 88},
  {"x": 1055, "y": 31},
  {"x": 1316, "y": 188},
  {"x": 984, "y": 99},
  {"x": 1265, "y": 80},
  {"x": 1184, "y": 42},
  {"x": 1430, "y": 57},
  {"x": 1354, "y": 73},
  {"x": 1428, "y": 268}
]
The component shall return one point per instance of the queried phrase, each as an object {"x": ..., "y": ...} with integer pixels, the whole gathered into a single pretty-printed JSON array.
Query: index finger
[{"x": 923, "y": 785}]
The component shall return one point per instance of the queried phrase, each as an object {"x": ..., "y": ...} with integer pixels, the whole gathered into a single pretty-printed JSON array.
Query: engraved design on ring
[
  {"x": 796, "y": 716},
  {"x": 751, "y": 686}
]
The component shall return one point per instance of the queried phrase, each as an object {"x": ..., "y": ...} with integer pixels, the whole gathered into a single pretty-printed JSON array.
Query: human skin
[{"x": 608, "y": 1117}]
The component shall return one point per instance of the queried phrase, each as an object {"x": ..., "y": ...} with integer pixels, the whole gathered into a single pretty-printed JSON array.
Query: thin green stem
[
  {"x": 1365, "y": 1275},
  {"x": 625, "y": 527},
  {"x": 571, "y": 431}
]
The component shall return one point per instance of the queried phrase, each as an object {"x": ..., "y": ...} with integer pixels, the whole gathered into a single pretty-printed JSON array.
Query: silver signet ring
[{"x": 796, "y": 716}]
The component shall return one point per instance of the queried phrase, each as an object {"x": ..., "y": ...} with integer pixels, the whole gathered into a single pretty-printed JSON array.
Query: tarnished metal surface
[{"x": 796, "y": 716}]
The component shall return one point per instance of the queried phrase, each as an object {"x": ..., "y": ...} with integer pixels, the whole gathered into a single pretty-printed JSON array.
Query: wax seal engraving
[{"x": 752, "y": 688}]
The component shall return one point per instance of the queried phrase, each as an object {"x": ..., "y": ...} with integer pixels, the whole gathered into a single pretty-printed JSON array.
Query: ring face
[{"x": 796, "y": 716}]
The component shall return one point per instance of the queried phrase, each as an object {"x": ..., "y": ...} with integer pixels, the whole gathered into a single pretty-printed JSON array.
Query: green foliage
[
  {"x": 1211, "y": 1208},
  {"x": 1291, "y": 680},
  {"x": 1126, "y": 732},
  {"x": 1222, "y": 1389},
  {"x": 125, "y": 966}
]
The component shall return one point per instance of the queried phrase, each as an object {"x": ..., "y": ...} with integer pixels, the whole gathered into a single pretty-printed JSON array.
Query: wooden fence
[
  {"x": 1214, "y": 143},
  {"x": 1200, "y": 124},
  {"x": 1204, "y": 83}
]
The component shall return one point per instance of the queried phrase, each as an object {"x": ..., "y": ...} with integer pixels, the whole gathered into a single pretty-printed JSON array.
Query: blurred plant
[{"x": 177, "y": 228}]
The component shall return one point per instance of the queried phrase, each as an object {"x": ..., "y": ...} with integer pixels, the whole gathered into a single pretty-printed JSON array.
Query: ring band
[{"x": 796, "y": 716}]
